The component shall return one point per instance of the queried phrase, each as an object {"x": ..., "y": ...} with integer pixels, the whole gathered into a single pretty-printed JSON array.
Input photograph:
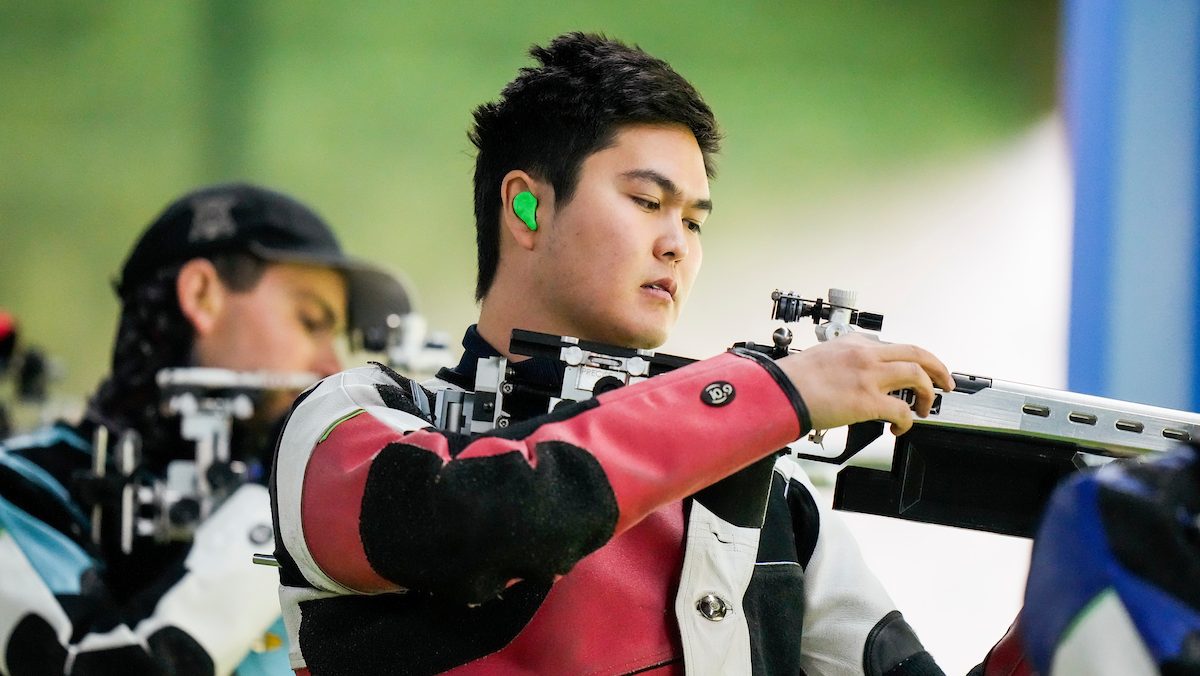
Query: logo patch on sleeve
[{"x": 718, "y": 393}]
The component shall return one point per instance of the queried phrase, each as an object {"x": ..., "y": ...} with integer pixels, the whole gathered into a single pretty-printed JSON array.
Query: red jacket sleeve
[{"x": 384, "y": 501}]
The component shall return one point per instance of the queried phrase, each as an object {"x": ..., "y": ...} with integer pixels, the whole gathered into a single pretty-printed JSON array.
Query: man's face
[
  {"x": 621, "y": 256},
  {"x": 289, "y": 321}
]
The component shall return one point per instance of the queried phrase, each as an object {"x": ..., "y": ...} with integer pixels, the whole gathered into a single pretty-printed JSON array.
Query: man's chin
[
  {"x": 649, "y": 343},
  {"x": 626, "y": 331},
  {"x": 640, "y": 338}
]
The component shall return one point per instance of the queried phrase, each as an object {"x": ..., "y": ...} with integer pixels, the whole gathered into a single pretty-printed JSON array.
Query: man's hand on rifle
[{"x": 847, "y": 380}]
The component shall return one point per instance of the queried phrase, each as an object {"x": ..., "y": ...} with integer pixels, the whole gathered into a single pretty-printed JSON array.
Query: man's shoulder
[
  {"x": 60, "y": 435},
  {"x": 36, "y": 478},
  {"x": 436, "y": 384},
  {"x": 373, "y": 387},
  {"x": 50, "y": 454},
  {"x": 356, "y": 383}
]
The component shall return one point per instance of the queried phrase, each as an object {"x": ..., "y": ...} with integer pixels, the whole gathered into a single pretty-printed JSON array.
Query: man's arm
[{"x": 370, "y": 498}]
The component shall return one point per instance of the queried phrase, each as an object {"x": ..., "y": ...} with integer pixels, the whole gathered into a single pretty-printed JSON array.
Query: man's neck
[
  {"x": 509, "y": 306},
  {"x": 505, "y": 308},
  {"x": 497, "y": 320}
]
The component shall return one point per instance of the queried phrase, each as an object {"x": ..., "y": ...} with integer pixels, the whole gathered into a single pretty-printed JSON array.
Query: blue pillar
[{"x": 1131, "y": 82}]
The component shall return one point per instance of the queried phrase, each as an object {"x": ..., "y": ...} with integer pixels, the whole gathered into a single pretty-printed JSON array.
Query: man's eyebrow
[{"x": 667, "y": 185}]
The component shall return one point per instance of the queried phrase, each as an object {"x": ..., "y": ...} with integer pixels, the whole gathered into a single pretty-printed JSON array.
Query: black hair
[
  {"x": 550, "y": 118},
  {"x": 153, "y": 334}
]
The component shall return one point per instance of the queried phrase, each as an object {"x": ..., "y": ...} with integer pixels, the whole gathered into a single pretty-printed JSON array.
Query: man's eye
[
  {"x": 694, "y": 226},
  {"x": 649, "y": 205},
  {"x": 313, "y": 325}
]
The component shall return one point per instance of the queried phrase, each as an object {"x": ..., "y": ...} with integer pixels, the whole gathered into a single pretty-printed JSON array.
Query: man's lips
[{"x": 665, "y": 285}]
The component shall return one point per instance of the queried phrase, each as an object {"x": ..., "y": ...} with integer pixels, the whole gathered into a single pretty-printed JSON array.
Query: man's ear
[
  {"x": 516, "y": 182},
  {"x": 201, "y": 294}
]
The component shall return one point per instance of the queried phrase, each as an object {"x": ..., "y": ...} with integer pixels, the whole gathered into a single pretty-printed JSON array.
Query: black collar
[{"x": 538, "y": 371}]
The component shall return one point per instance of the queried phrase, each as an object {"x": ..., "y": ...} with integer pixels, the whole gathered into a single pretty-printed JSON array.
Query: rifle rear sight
[{"x": 838, "y": 312}]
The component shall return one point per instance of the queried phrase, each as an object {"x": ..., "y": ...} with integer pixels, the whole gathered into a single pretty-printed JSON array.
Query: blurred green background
[{"x": 110, "y": 110}]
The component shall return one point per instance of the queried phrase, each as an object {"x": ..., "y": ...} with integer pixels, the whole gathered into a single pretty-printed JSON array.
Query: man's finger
[
  {"x": 905, "y": 375},
  {"x": 938, "y": 373},
  {"x": 897, "y": 413}
]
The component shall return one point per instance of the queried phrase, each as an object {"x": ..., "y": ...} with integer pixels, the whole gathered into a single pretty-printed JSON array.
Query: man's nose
[
  {"x": 672, "y": 244},
  {"x": 326, "y": 362}
]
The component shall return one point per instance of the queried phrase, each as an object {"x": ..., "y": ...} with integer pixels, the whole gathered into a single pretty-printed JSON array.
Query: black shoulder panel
[
  {"x": 774, "y": 601},
  {"x": 402, "y": 392},
  {"x": 778, "y": 540},
  {"x": 741, "y": 497},
  {"x": 806, "y": 520},
  {"x": 462, "y": 530},
  {"x": 410, "y": 633},
  {"x": 921, "y": 664},
  {"x": 893, "y": 649},
  {"x": 774, "y": 607},
  {"x": 397, "y": 397}
]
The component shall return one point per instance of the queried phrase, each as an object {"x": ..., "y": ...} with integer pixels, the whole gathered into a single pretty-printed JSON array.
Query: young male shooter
[{"x": 646, "y": 530}]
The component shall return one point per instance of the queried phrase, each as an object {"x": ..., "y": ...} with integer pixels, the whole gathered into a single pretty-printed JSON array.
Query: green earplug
[{"x": 525, "y": 207}]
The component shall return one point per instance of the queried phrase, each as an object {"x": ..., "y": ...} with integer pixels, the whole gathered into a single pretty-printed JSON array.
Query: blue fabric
[
  {"x": 58, "y": 560},
  {"x": 268, "y": 662},
  {"x": 1074, "y": 561},
  {"x": 48, "y": 436},
  {"x": 35, "y": 474},
  {"x": 1162, "y": 621},
  {"x": 1068, "y": 568}
]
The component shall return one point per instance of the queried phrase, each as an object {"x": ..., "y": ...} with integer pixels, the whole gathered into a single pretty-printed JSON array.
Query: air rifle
[
  {"x": 986, "y": 458},
  {"x": 207, "y": 401}
]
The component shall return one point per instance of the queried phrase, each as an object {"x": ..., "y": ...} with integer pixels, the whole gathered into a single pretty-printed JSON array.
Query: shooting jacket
[
  {"x": 67, "y": 608},
  {"x": 652, "y": 529}
]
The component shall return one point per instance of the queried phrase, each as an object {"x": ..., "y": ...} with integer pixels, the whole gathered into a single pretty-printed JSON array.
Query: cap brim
[{"x": 372, "y": 293}]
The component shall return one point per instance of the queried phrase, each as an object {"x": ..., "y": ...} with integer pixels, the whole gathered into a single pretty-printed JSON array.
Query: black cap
[{"x": 270, "y": 225}]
